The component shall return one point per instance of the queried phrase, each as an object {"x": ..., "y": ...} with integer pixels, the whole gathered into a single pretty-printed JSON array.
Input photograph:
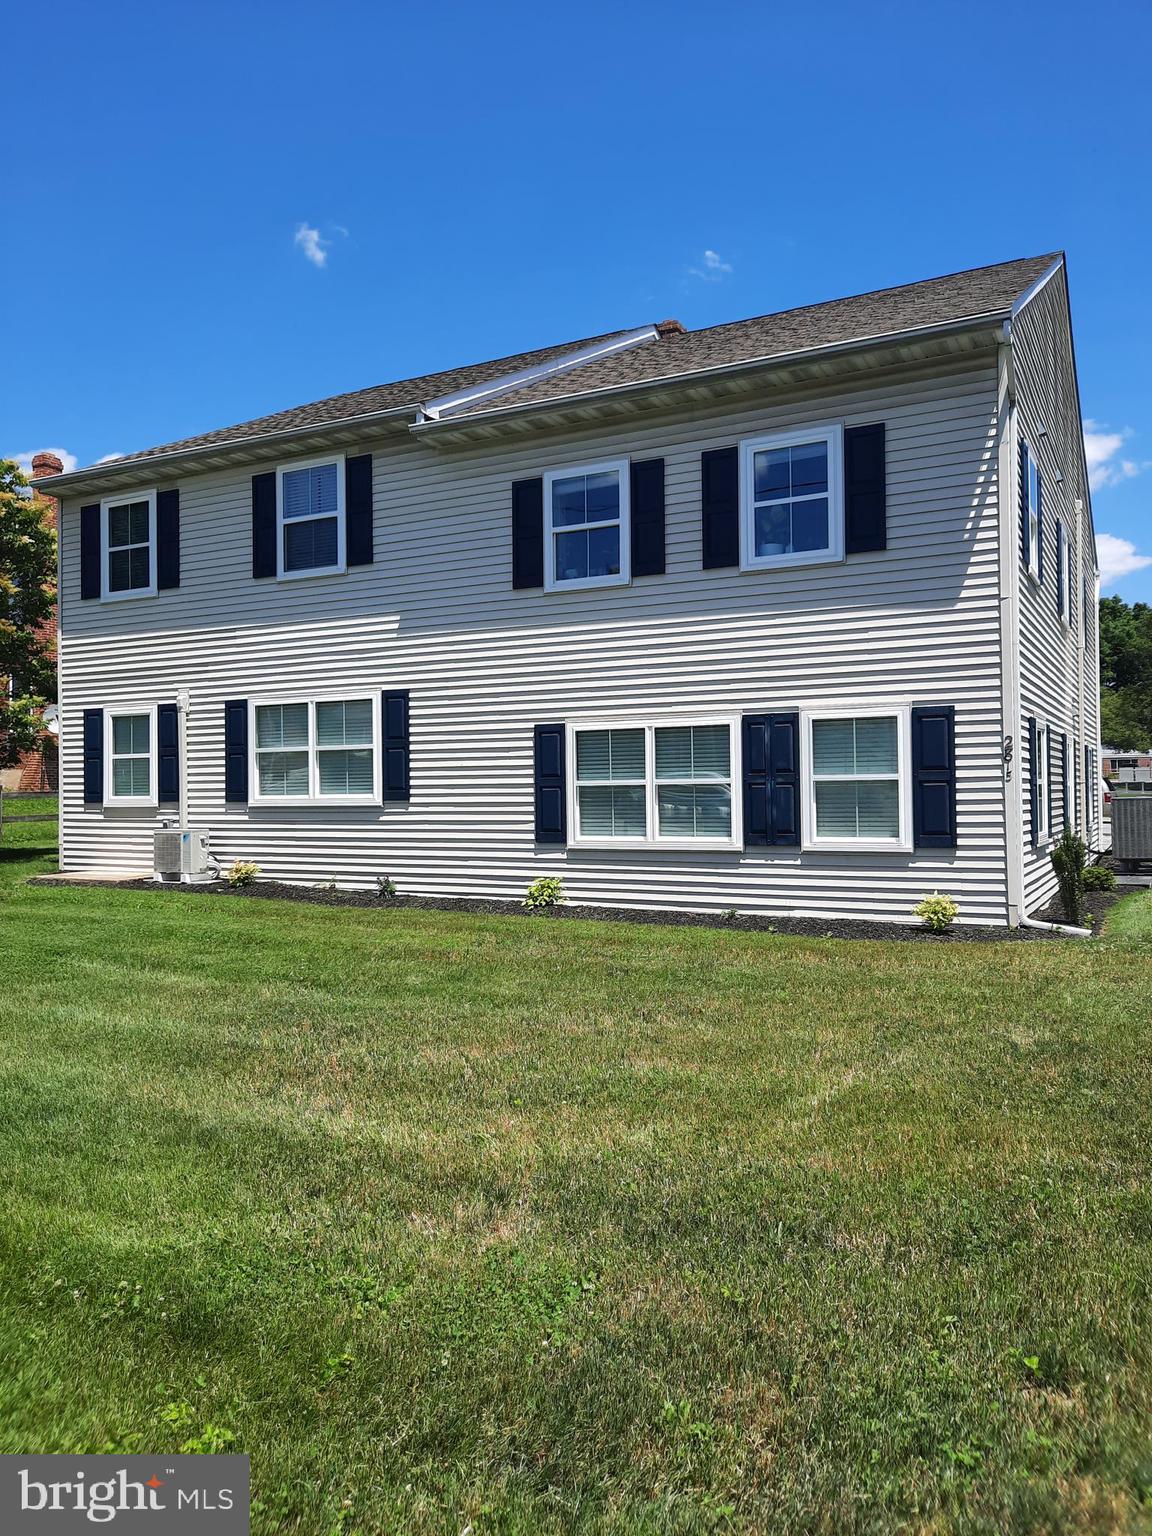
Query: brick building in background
[{"x": 39, "y": 770}]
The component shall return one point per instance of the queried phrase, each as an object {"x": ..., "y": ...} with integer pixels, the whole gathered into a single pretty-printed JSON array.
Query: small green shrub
[
  {"x": 1098, "y": 877},
  {"x": 385, "y": 888},
  {"x": 939, "y": 912},
  {"x": 548, "y": 891},
  {"x": 1068, "y": 859},
  {"x": 242, "y": 873}
]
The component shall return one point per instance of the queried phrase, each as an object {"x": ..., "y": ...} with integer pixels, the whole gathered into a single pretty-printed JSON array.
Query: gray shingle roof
[{"x": 937, "y": 301}]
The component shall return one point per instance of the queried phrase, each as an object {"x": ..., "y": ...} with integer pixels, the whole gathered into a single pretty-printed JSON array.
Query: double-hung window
[
  {"x": 663, "y": 783},
  {"x": 316, "y": 750},
  {"x": 128, "y": 552},
  {"x": 129, "y": 756},
  {"x": 310, "y": 536},
  {"x": 1064, "y": 593},
  {"x": 1034, "y": 491},
  {"x": 858, "y": 779},
  {"x": 792, "y": 498},
  {"x": 1041, "y": 775},
  {"x": 586, "y": 525}
]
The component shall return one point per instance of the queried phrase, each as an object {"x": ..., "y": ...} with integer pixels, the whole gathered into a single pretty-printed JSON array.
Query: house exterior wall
[
  {"x": 436, "y": 615},
  {"x": 1059, "y": 681}
]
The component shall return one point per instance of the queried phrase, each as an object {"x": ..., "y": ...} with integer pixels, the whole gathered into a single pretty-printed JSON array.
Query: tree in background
[
  {"x": 27, "y": 600},
  {"x": 1125, "y": 674}
]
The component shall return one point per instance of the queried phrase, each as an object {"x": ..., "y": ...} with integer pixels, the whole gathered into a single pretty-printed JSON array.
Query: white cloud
[
  {"x": 69, "y": 460},
  {"x": 1101, "y": 446},
  {"x": 313, "y": 244},
  {"x": 109, "y": 458},
  {"x": 1118, "y": 558},
  {"x": 713, "y": 269}
]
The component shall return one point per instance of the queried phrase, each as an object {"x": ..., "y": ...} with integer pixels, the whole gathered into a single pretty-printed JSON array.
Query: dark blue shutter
[
  {"x": 90, "y": 552},
  {"x": 1065, "y": 787},
  {"x": 264, "y": 525},
  {"x": 1033, "y": 788},
  {"x": 1050, "y": 791},
  {"x": 771, "y": 769},
  {"x": 167, "y": 539},
  {"x": 550, "y": 793},
  {"x": 94, "y": 755},
  {"x": 397, "y": 747},
  {"x": 358, "y": 509},
  {"x": 865, "y": 489},
  {"x": 167, "y": 753},
  {"x": 528, "y": 533},
  {"x": 647, "y": 514},
  {"x": 1060, "y": 596},
  {"x": 1039, "y": 526},
  {"x": 1025, "y": 525},
  {"x": 720, "y": 507},
  {"x": 934, "y": 776},
  {"x": 236, "y": 752}
]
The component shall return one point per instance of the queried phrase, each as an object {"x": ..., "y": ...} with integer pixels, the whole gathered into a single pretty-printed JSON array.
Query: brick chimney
[{"x": 44, "y": 463}]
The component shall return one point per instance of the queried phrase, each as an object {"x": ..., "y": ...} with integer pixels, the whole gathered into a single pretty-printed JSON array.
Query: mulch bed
[{"x": 804, "y": 927}]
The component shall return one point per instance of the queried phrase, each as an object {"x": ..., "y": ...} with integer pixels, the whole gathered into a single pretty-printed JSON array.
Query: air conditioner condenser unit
[{"x": 181, "y": 854}]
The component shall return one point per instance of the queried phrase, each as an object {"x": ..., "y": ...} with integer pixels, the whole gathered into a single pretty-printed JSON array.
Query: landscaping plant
[
  {"x": 939, "y": 912},
  {"x": 1068, "y": 859},
  {"x": 242, "y": 873},
  {"x": 1098, "y": 877},
  {"x": 548, "y": 891}
]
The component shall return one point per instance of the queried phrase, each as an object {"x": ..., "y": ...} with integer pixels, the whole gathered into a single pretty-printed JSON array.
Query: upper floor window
[
  {"x": 1064, "y": 591},
  {"x": 128, "y": 546},
  {"x": 858, "y": 779},
  {"x": 792, "y": 498},
  {"x": 128, "y": 753},
  {"x": 586, "y": 526},
  {"x": 664, "y": 783},
  {"x": 316, "y": 750},
  {"x": 1034, "y": 511},
  {"x": 310, "y": 533}
]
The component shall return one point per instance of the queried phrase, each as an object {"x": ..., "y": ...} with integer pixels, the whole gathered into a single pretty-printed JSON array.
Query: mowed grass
[{"x": 458, "y": 1223}]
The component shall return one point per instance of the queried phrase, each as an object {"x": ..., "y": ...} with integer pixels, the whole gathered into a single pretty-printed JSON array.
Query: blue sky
[{"x": 472, "y": 181}]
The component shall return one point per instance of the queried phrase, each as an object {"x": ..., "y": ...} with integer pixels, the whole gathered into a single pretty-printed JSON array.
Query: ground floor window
[
  {"x": 129, "y": 757},
  {"x": 664, "y": 782},
  {"x": 316, "y": 750},
  {"x": 857, "y": 793}
]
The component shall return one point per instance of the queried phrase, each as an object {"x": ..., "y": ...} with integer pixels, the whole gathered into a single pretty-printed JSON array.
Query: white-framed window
[
  {"x": 1042, "y": 776},
  {"x": 130, "y": 756},
  {"x": 792, "y": 498},
  {"x": 857, "y": 766},
  {"x": 660, "y": 783},
  {"x": 587, "y": 526},
  {"x": 315, "y": 751},
  {"x": 1064, "y": 579},
  {"x": 1034, "y": 492},
  {"x": 310, "y": 530},
  {"x": 128, "y": 546}
]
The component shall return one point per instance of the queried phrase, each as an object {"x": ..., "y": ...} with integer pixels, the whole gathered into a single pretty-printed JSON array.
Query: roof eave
[{"x": 981, "y": 321}]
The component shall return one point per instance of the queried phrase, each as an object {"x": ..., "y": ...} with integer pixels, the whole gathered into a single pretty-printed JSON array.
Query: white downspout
[
  {"x": 182, "y": 702},
  {"x": 1011, "y": 755}
]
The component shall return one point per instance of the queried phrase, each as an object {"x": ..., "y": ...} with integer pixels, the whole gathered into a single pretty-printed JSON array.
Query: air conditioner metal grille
[
  {"x": 166, "y": 853},
  {"x": 1132, "y": 826}
]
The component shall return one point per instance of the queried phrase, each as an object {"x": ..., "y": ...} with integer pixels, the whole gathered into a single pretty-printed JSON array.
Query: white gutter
[
  {"x": 461, "y": 399},
  {"x": 722, "y": 370}
]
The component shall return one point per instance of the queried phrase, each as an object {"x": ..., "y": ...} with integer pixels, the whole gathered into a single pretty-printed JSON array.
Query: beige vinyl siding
[
  {"x": 436, "y": 615},
  {"x": 1059, "y": 679}
]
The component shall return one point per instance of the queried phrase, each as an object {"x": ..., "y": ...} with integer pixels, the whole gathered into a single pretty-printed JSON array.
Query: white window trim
[
  {"x": 314, "y": 797},
  {"x": 341, "y": 566},
  {"x": 1035, "y": 522},
  {"x": 622, "y": 467},
  {"x": 833, "y": 435},
  {"x": 1064, "y": 551},
  {"x": 1043, "y": 785},
  {"x": 903, "y": 715},
  {"x": 106, "y": 595},
  {"x": 649, "y": 726},
  {"x": 121, "y": 801}
]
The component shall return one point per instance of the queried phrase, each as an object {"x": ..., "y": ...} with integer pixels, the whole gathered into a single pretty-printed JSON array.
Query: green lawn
[{"x": 476, "y": 1223}]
